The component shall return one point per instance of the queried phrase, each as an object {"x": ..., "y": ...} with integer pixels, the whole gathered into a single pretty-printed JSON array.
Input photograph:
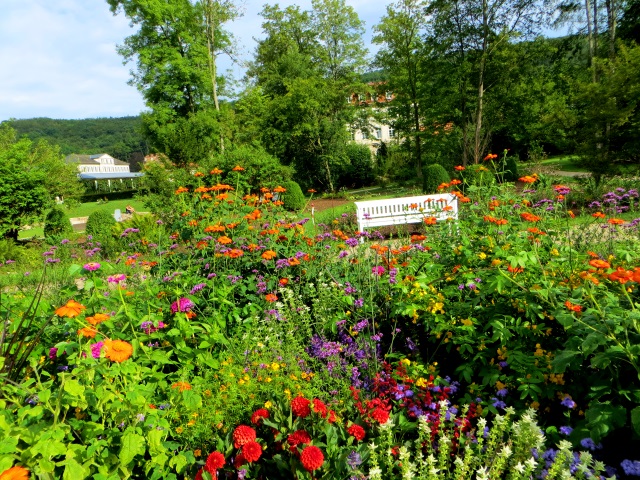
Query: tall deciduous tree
[
  {"x": 175, "y": 51},
  {"x": 401, "y": 32}
]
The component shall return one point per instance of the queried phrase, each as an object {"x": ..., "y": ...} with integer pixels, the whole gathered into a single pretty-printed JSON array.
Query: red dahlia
[
  {"x": 312, "y": 458},
  {"x": 214, "y": 461},
  {"x": 300, "y": 407},
  {"x": 300, "y": 437},
  {"x": 239, "y": 460},
  {"x": 380, "y": 415},
  {"x": 199, "y": 474},
  {"x": 252, "y": 451},
  {"x": 319, "y": 407},
  {"x": 356, "y": 431},
  {"x": 259, "y": 415},
  {"x": 242, "y": 435}
]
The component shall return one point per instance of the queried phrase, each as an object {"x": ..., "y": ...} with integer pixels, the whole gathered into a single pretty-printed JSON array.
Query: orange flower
[
  {"x": 430, "y": 220},
  {"x": 279, "y": 189},
  {"x": 464, "y": 199},
  {"x": 417, "y": 238},
  {"x": 224, "y": 240},
  {"x": 529, "y": 179},
  {"x": 231, "y": 226},
  {"x": 442, "y": 186},
  {"x": 515, "y": 269},
  {"x": 615, "y": 221},
  {"x": 536, "y": 231},
  {"x": 70, "y": 310},
  {"x": 215, "y": 171},
  {"x": 529, "y": 217},
  {"x": 413, "y": 206},
  {"x": 572, "y": 307},
  {"x": 269, "y": 254},
  {"x": 284, "y": 282},
  {"x": 237, "y": 168},
  {"x": 596, "y": 263},
  {"x": 198, "y": 174},
  {"x": 490, "y": 156},
  {"x": 15, "y": 473},
  {"x": 97, "y": 318},
  {"x": 455, "y": 181},
  {"x": 181, "y": 386},
  {"x": 270, "y": 297},
  {"x": 598, "y": 215},
  {"x": 636, "y": 275},
  {"x": 571, "y": 214},
  {"x": 214, "y": 228},
  {"x": 222, "y": 196},
  {"x": 234, "y": 253},
  {"x": 621, "y": 275},
  {"x": 181, "y": 190},
  {"x": 117, "y": 350},
  {"x": 88, "y": 332},
  {"x": 311, "y": 190},
  {"x": 459, "y": 168},
  {"x": 293, "y": 261}
]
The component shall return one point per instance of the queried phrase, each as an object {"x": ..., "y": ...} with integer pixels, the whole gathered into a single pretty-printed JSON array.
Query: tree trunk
[
  {"x": 611, "y": 24},
  {"x": 587, "y": 8},
  {"x": 477, "y": 139}
]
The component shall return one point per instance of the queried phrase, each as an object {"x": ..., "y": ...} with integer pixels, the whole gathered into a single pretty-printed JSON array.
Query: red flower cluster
[
  {"x": 259, "y": 415},
  {"x": 356, "y": 431},
  {"x": 299, "y": 437},
  {"x": 214, "y": 461},
  {"x": 242, "y": 435},
  {"x": 320, "y": 408},
  {"x": 252, "y": 451},
  {"x": 312, "y": 458},
  {"x": 300, "y": 407}
]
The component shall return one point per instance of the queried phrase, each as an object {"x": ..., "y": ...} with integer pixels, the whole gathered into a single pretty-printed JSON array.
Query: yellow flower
[
  {"x": 406, "y": 361},
  {"x": 421, "y": 382},
  {"x": 275, "y": 366},
  {"x": 268, "y": 379},
  {"x": 268, "y": 404},
  {"x": 482, "y": 255},
  {"x": 179, "y": 430},
  {"x": 554, "y": 252}
]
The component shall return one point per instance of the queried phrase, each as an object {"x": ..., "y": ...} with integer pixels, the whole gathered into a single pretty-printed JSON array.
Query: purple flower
[
  {"x": 631, "y": 467},
  {"x": 502, "y": 392},
  {"x": 354, "y": 460},
  {"x": 343, "y": 253},
  {"x": 352, "y": 242},
  {"x": 358, "y": 303},
  {"x": 91, "y": 266},
  {"x": 95, "y": 349},
  {"x": 568, "y": 402},
  {"x": 182, "y": 305},
  {"x": 198, "y": 287},
  {"x": 498, "y": 403},
  {"x": 566, "y": 430},
  {"x": 378, "y": 270},
  {"x": 64, "y": 241},
  {"x": 53, "y": 353},
  {"x": 589, "y": 444}
]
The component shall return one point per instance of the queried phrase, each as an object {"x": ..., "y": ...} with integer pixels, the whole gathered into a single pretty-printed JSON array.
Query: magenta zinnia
[{"x": 182, "y": 305}]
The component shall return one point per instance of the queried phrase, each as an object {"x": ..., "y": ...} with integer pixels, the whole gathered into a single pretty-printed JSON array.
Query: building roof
[
  {"x": 90, "y": 159},
  {"x": 109, "y": 176}
]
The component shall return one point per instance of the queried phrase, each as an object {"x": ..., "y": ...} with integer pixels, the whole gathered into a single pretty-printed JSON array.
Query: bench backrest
[{"x": 400, "y": 211}]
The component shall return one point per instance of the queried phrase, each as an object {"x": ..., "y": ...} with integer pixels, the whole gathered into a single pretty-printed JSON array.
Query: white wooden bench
[{"x": 405, "y": 210}]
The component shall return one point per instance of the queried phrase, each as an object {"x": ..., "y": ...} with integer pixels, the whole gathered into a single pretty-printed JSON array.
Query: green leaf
[
  {"x": 635, "y": 420},
  {"x": 74, "y": 388},
  {"x": 192, "y": 401},
  {"x": 563, "y": 360},
  {"x": 74, "y": 471},
  {"x": 132, "y": 444},
  {"x": 178, "y": 462}
]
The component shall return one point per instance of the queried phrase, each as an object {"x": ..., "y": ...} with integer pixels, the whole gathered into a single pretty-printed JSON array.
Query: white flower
[{"x": 482, "y": 474}]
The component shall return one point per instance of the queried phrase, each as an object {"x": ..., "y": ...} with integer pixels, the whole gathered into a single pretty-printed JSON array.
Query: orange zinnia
[
  {"x": 572, "y": 307},
  {"x": 97, "y": 318},
  {"x": 15, "y": 473},
  {"x": 430, "y": 220},
  {"x": 88, "y": 332},
  {"x": 225, "y": 240},
  {"x": 529, "y": 179},
  {"x": 599, "y": 263},
  {"x": 269, "y": 255},
  {"x": 234, "y": 253},
  {"x": 270, "y": 297},
  {"x": 70, "y": 310},
  {"x": 117, "y": 350},
  {"x": 621, "y": 275}
]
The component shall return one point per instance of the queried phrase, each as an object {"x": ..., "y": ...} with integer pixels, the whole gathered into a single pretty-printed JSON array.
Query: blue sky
[{"x": 59, "y": 57}]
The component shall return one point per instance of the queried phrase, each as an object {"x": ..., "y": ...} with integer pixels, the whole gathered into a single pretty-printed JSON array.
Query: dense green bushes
[
  {"x": 434, "y": 175},
  {"x": 293, "y": 198},
  {"x": 99, "y": 224},
  {"x": 56, "y": 224}
]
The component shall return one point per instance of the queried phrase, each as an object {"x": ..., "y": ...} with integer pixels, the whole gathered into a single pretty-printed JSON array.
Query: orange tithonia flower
[
  {"x": 530, "y": 217},
  {"x": 215, "y": 171},
  {"x": 279, "y": 189},
  {"x": 88, "y": 332},
  {"x": 224, "y": 240},
  {"x": 293, "y": 261},
  {"x": 621, "y": 275},
  {"x": 598, "y": 215},
  {"x": 181, "y": 190},
  {"x": 430, "y": 220},
  {"x": 270, "y": 297},
  {"x": 572, "y": 307},
  {"x": 596, "y": 263},
  {"x": 234, "y": 253},
  {"x": 237, "y": 168},
  {"x": 269, "y": 254},
  {"x": 15, "y": 473},
  {"x": 117, "y": 350},
  {"x": 459, "y": 168},
  {"x": 529, "y": 179},
  {"x": 97, "y": 318},
  {"x": 615, "y": 221},
  {"x": 70, "y": 310},
  {"x": 181, "y": 386},
  {"x": 214, "y": 228}
]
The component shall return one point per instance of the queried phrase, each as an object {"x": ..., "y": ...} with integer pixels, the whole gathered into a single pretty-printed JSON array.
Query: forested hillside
[{"x": 119, "y": 137}]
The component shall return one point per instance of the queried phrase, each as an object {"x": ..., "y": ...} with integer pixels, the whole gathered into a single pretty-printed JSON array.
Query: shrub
[
  {"x": 293, "y": 198},
  {"x": 434, "y": 175},
  {"x": 100, "y": 223},
  {"x": 360, "y": 171},
  {"x": 56, "y": 224},
  {"x": 9, "y": 250},
  {"x": 479, "y": 175},
  {"x": 510, "y": 166}
]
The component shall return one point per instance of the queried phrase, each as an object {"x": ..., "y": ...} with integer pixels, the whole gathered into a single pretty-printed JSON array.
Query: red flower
[
  {"x": 319, "y": 407},
  {"x": 312, "y": 458},
  {"x": 300, "y": 407},
  {"x": 332, "y": 416},
  {"x": 356, "y": 431},
  {"x": 270, "y": 297},
  {"x": 214, "y": 461},
  {"x": 199, "y": 474},
  {"x": 459, "y": 168},
  {"x": 299, "y": 437},
  {"x": 259, "y": 415},
  {"x": 380, "y": 415},
  {"x": 252, "y": 451},
  {"x": 239, "y": 461},
  {"x": 243, "y": 435}
]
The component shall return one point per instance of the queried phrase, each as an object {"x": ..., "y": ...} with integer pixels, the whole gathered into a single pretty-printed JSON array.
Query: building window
[
  {"x": 392, "y": 132},
  {"x": 365, "y": 134},
  {"x": 378, "y": 133}
]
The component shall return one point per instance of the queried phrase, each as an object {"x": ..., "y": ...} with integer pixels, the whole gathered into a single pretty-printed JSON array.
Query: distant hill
[{"x": 119, "y": 137}]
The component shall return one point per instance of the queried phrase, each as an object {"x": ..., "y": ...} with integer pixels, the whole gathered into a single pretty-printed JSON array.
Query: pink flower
[
  {"x": 379, "y": 270},
  {"x": 182, "y": 305},
  {"x": 96, "y": 348},
  {"x": 91, "y": 266}
]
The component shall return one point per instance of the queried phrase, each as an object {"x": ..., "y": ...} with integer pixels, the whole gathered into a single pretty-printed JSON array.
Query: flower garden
[{"x": 225, "y": 337}]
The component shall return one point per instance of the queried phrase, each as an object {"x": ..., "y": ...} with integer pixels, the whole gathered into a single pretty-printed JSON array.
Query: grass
[{"x": 564, "y": 163}]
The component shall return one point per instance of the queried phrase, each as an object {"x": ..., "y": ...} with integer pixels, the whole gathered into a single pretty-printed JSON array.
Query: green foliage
[
  {"x": 434, "y": 175},
  {"x": 100, "y": 224},
  {"x": 56, "y": 224},
  {"x": 9, "y": 250},
  {"x": 360, "y": 171},
  {"x": 293, "y": 198}
]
